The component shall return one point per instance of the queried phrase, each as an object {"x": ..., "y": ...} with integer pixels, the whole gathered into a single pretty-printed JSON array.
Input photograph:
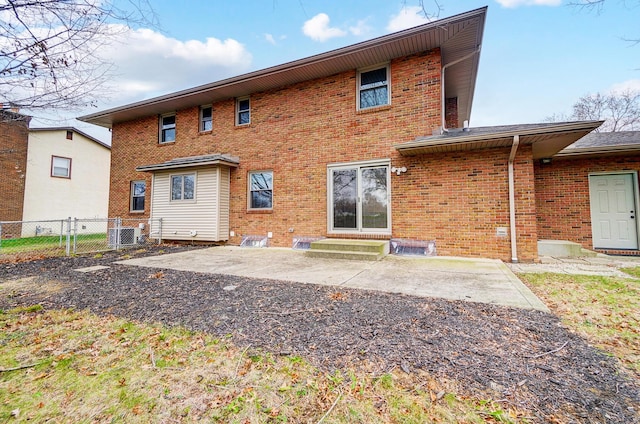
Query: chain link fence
[{"x": 68, "y": 237}]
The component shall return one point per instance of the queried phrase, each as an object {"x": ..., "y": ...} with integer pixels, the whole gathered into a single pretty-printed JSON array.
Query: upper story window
[
  {"x": 243, "y": 111},
  {"x": 69, "y": 135},
  {"x": 261, "y": 190},
  {"x": 206, "y": 118},
  {"x": 138, "y": 190},
  {"x": 373, "y": 88},
  {"x": 60, "y": 167},
  {"x": 183, "y": 187},
  {"x": 167, "y": 128}
]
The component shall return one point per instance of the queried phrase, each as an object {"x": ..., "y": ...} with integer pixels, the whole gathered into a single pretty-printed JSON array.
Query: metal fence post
[
  {"x": 68, "y": 244},
  {"x": 160, "y": 231},
  {"x": 118, "y": 225},
  {"x": 61, "y": 230},
  {"x": 75, "y": 235}
]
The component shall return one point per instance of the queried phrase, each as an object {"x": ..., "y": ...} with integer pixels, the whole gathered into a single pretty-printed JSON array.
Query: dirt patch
[{"x": 524, "y": 358}]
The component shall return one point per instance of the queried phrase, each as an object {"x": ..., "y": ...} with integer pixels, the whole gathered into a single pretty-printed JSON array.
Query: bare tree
[
  {"x": 50, "y": 49},
  {"x": 597, "y": 6},
  {"x": 619, "y": 110}
]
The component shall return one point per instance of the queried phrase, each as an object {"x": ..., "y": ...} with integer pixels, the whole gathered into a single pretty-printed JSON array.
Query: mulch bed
[{"x": 526, "y": 358}]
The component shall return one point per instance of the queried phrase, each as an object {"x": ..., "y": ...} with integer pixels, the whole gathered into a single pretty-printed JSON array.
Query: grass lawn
[
  {"x": 602, "y": 309},
  {"x": 66, "y": 366},
  {"x": 52, "y": 243}
]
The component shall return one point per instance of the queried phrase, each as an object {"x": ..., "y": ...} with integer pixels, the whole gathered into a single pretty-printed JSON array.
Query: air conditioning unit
[{"x": 124, "y": 236}]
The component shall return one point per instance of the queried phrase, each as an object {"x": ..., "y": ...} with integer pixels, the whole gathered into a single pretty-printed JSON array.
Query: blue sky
[{"x": 538, "y": 56}]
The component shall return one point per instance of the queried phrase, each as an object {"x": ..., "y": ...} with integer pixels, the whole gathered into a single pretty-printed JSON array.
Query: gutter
[
  {"x": 442, "y": 85},
  {"x": 512, "y": 200}
]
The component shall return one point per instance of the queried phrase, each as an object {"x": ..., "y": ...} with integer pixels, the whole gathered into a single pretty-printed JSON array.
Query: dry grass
[
  {"x": 602, "y": 309},
  {"x": 68, "y": 366}
]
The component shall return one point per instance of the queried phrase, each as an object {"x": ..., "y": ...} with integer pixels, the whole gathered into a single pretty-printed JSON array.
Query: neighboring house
[
  {"x": 14, "y": 136},
  {"x": 67, "y": 175},
  {"x": 339, "y": 145},
  {"x": 588, "y": 193}
]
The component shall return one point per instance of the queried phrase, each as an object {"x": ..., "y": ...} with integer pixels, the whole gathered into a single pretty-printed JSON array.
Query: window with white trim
[
  {"x": 168, "y": 128},
  {"x": 261, "y": 190},
  {"x": 60, "y": 167},
  {"x": 373, "y": 88},
  {"x": 206, "y": 118},
  {"x": 243, "y": 111},
  {"x": 183, "y": 187},
  {"x": 138, "y": 190}
]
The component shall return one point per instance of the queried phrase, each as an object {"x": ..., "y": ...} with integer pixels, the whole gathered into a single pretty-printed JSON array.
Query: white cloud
[
  {"x": 408, "y": 17},
  {"x": 360, "y": 28},
  {"x": 149, "y": 63},
  {"x": 318, "y": 29},
  {"x": 270, "y": 39},
  {"x": 629, "y": 85},
  {"x": 517, "y": 3}
]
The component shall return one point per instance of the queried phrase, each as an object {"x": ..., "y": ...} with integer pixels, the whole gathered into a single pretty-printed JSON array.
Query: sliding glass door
[{"x": 359, "y": 198}]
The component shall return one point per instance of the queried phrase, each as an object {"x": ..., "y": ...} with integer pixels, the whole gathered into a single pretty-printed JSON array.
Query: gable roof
[
  {"x": 546, "y": 139},
  {"x": 85, "y": 135},
  {"x": 456, "y": 36},
  {"x": 603, "y": 143}
]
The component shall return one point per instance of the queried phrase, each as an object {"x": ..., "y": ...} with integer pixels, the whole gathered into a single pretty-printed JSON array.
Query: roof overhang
[
  {"x": 192, "y": 162},
  {"x": 546, "y": 139},
  {"x": 599, "y": 151},
  {"x": 456, "y": 37}
]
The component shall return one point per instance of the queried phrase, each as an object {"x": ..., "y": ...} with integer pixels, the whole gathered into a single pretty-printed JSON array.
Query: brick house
[
  {"x": 14, "y": 137},
  {"x": 339, "y": 145}
]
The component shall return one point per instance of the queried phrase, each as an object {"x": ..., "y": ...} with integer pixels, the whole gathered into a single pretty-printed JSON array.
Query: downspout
[
  {"x": 443, "y": 99},
  {"x": 512, "y": 200}
]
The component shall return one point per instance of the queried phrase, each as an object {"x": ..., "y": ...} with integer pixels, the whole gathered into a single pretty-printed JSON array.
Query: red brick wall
[
  {"x": 460, "y": 199},
  {"x": 562, "y": 195},
  {"x": 297, "y": 130},
  {"x": 14, "y": 137},
  {"x": 451, "y": 112}
]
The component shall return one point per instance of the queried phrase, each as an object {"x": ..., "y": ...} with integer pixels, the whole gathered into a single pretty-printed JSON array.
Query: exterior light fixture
[{"x": 399, "y": 171}]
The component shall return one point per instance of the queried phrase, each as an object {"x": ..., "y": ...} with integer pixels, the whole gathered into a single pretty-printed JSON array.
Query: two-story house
[
  {"x": 67, "y": 175},
  {"x": 366, "y": 141}
]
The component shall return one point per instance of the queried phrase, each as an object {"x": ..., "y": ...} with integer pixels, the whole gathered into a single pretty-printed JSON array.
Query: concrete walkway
[
  {"x": 598, "y": 265},
  {"x": 474, "y": 280}
]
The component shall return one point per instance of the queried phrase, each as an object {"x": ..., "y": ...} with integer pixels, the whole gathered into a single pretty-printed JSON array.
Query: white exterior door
[{"x": 613, "y": 211}]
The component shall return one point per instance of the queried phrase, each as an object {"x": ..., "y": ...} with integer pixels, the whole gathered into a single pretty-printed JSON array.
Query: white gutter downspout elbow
[
  {"x": 512, "y": 200},
  {"x": 443, "y": 99}
]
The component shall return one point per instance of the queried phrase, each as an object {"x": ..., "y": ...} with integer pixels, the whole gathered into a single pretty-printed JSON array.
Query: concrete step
[
  {"x": 343, "y": 254},
  {"x": 344, "y": 245},
  {"x": 562, "y": 249},
  {"x": 368, "y": 250}
]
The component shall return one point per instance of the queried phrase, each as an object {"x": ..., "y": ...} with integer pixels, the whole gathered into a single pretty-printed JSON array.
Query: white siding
[
  {"x": 203, "y": 215},
  {"x": 84, "y": 195}
]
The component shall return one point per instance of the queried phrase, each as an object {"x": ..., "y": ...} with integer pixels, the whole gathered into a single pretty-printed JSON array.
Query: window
[
  {"x": 261, "y": 190},
  {"x": 60, "y": 167},
  {"x": 243, "y": 111},
  {"x": 69, "y": 135},
  {"x": 138, "y": 190},
  {"x": 167, "y": 128},
  {"x": 206, "y": 118},
  {"x": 373, "y": 88},
  {"x": 183, "y": 187}
]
